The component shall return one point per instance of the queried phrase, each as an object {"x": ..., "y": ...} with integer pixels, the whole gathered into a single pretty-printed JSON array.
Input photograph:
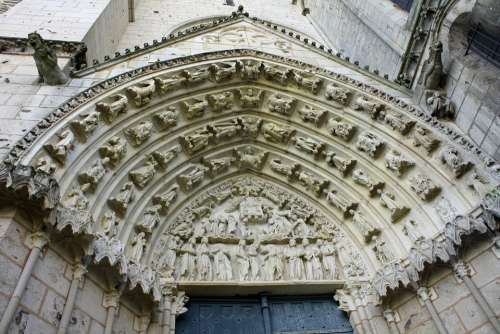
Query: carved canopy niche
[{"x": 209, "y": 159}]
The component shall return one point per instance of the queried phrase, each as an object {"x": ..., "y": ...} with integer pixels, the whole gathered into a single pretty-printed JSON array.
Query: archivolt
[{"x": 356, "y": 154}]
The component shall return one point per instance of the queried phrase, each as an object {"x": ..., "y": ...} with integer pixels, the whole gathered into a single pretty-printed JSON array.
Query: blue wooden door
[{"x": 287, "y": 315}]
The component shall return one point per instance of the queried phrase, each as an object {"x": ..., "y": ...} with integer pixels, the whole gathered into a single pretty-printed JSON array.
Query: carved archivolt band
[{"x": 130, "y": 155}]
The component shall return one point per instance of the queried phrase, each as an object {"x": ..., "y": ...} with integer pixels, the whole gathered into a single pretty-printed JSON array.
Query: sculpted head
[{"x": 292, "y": 243}]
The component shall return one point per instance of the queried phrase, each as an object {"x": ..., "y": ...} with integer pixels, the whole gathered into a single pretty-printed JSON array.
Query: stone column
[
  {"x": 391, "y": 317},
  {"x": 346, "y": 304},
  {"x": 358, "y": 303},
  {"x": 79, "y": 271},
  {"x": 111, "y": 302},
  {"x": 463, "y": 273},
  {"x": 166, "y": 309},
  {"x": 424, "y": 295},
  {"x": 37, "y": 241}
]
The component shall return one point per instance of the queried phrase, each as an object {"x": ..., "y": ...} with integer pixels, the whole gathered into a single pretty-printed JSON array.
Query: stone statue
[
  {"x": 370, "y": 144},
  {"x": 398, "y": 122},
  {"x": 223, "y": 271},
  {"x": 250, "y": 126},
  {"x": 145, "y": 174},
  {"x": 382, "y": 251},
  {"x": 369, "y": 106},
  {"x": 89, "y": 179},
  {"x": 220, "y": 102},
  {"x": 142, "y": 92},
  {"x": 307, "y": 81},
  {"x": 249, "y": 158},
  {"x": 432, "y": 72},
  {"x": 196, "y": 141},
  {"x": 389, "y": 201},
  {"x": 410, "y": 229},
  {"x": 281, "y": 104},
  {"x": 125, "y": 196},
  {"x": 397, "y": 162},
  {"x": 164, "y": 158},
  {"x": 194, "y": 109},
  {"x": 139, "y": 133},
  {"x": 150, "y": 219},
  {"x": 76, "y": 199},
  {"x": 109, "y": 225},
  {"x": 191, "y": 179},
  {"x": 273, "y": 264},
  {"x": 138, "y": 245},
  {"x": 225, "y": 129},
  {"x": 223, "y": 71},
  {"x": 342, "y": 164},
  {"x": 243, "y": 261},
  {"x": 328, "y": 257},
  {"x": 424, "y": 137},
  {"x": 253, "y": 259},
  {"x": 311, "y": 114},
  {"x": 86, "y": 126},
  {"x": 187, "y": 267},
  {"x": 197, "y": 75},
  {"x": 46, "y": 61},
  {"x": 365, "y": 228},
  {"x": 167, "y": 118},
  {"x": 313, "y": 182},
  {"x": 337, "y": 94},
  {"x": 282, "y": 168},
  {"x": 362, "y": 178},
  {"x": 276, "y": 133},
  {"x": 308, "y": 145},
  {"x": 295, "y": 255},
  {"x": 312, "y": 261},
  {"x": 440, "y": 106},
  {"x": 114, "y": 150},
  {"x": 341, "y": 203},
  {"x": 337, "y": 127},
  {"x": 250, "y": 97},
  {"x": 59, "y": 151},
  {"x": 168, "y": 84},
  {"x": 45, "y": 165},
  {"x": 204, "y": 261},
  {"x": 109, "y": 111},
  {"x": 170, "y": 256}
]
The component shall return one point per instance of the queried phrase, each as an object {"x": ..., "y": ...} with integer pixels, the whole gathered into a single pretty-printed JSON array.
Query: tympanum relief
[{"x": 249, "y": 230}]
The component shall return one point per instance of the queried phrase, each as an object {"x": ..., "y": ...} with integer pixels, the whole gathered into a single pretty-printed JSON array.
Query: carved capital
[
  {"x": 79, "y": 271},
  {"x": 461, "y": 269},
  {"x": 111, "y": 299},
  {"x": 37, "y": 240},
  {"x": 426, "y": 294},
  {"x": 391, "y": 316}
]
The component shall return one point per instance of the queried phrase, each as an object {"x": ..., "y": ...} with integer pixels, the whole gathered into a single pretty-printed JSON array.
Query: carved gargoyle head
[{"x": 35, "y": 40}]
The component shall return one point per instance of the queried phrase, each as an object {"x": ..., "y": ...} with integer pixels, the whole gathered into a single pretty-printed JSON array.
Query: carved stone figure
[
  {"x": 243, "y": 261},
  {"x": 341, "y": 203},
  {"x": 139, "y": 133},
  {"x": 289, "y": 170},
  {"x": 142, "y": 93},
  {"x": 351, "y": 259},
  {"x": 164, "y": 158},
  {"x": 389, "y": 201},
  {"x": 398, "y": 122},
  {"x": 367, "y": 230},
  {"x": 310, "y": 114},
  {"x": 76, "y": 199},
  {"x": 150, "y": 219},
  {"x": 143, "y": 175},
  {"x": 137, "y": 247},
  {"x": 281, "y": 104},
  {"x": 424, "y": 187},
  {"x": 196, "y": 141},
  {"x": 223, "y": 271},
  {"x": 114, "y": 150},
  {"x": 225, "y": 129},
  {"x": 452, "y": 158},
  {"x": 382, "y": 251},
  {"x": 312, "y": 182},
  {"x": 125, "y": 196},
  {"x": 108, "y": 225},
  {"x": 219, "y": 165},
  {"x": 197, "y": 75},
  {"x": 191, "y": 179},
  {"x": 372, "y": 108},
  {"x": 59, "y": 150},
  {"x": 411, "y": 230},
  {"x": 187, "y": 265},
  {"x": 273, "y": 263},
  {"x": 195, "y": 108},
  {"x": 398, "y": 163},
  {"x": 166, "y": 119},
  {"x": 432, "y": 72},
  {"x": 250, "y": 97},
  {"x": 345, "y": 165},
  {"x": 46, "y": 61},
  {"x": 166, "y": 199},
  {"x": 424, "y": 137},
  {"x": 276, "y": 133},
  {"x": 328, "y": 259},
  {"x": 221, "y": 101},
  {"x": 480, "y": 184},
  {"x": 295, "y": 255},
  {"x": 223, "y": 71},
  {"x": 337, "y": 127},
  {"x": 168, "y": 84},
  {"x": 440, "y": 106},
  {"x": 370, "y": 144},
  {"x": 86, "y": 126},
  {"x": 307, "y": 81},
  {"x": 312, "y": 261},
  {"x": 276, "y": 73},
  {"x": 89, "y": 179},
  {"x": 250, "y": 158},
  {"x": 249, "y": 69},
  {"x": 308, "y": 145},
  {"x": 362, "y": 178},
  {"x": 337, "y": 94},
  {"x": 109, "y": 111},
  {"x": 253, "y": 259},
  {"x": 44, "y": 165},
  {"x": 203, "y": 260},
  {"x": 250, "y": 126}
]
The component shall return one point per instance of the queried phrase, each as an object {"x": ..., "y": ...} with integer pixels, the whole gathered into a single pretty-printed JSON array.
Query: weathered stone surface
[
  {"x": 470, "y": 313},
  {"x": 89, "y": 301},
  {"x": 52, "y": 307},
  {"x": 8, "y": 275},
  {"x": 50, "y": 271},
  {"x": 33, "y": 295}
]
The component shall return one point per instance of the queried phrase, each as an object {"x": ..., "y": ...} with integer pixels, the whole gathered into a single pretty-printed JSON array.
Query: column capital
[
  {"x": 391, "y": 316},
  {"x": 423, "y": 293},
  {"x": 79, "y": 271},
  {"x": 111, "y": 299},
  {"x": 37, "y": 240},
  {"x": 461, "y": 269},
  {"x": 345, "y": 299}
]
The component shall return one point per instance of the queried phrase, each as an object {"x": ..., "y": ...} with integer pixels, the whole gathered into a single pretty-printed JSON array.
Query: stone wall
[
  {"x": 374, "y": 32},
  {"x": 454, "y": 302},
  {"x": 43, "y": 301}
]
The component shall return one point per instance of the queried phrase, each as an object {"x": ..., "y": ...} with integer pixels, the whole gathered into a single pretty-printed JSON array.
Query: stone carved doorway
[{"x": 264, "y": 315}]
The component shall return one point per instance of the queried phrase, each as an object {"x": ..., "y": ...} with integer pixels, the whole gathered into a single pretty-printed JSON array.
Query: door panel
[{"x": 289, "y": 315}]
